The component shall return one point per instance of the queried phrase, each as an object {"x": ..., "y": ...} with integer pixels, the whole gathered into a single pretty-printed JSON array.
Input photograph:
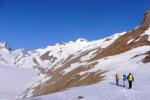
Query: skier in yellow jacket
[
  {"x": 130, "y": 80},
  {"x": 117, "y": 77}
]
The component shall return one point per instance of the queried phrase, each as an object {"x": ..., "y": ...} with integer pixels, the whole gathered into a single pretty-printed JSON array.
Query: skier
[
  {"x": 130, "y": 80},
  {"x": 117, "y": 79},
  {"x": 124, "y": 79}
]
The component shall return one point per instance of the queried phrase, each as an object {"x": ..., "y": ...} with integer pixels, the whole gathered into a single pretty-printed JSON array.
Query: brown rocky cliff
[
  {"x": 121, "y": 44},
  {"x": 146, "y": 21}
]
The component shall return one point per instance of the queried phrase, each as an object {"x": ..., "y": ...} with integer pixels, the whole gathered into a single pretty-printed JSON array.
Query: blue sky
[{"x": 32, "y": 24}]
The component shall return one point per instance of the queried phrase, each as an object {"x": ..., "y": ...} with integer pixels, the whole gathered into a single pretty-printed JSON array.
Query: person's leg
[
  {"x": 123, "y": 83},
  {"x": 130, "y": 84},
  {"x": 116, "y": 82}
]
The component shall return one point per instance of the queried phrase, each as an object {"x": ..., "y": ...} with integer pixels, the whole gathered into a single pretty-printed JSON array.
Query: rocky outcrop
[
  {"x": 61, "y": 80},
  {"x": 46, "y": 56},
  {"x": 146, "y": 20},
  {"x": 147, "y": 58}
]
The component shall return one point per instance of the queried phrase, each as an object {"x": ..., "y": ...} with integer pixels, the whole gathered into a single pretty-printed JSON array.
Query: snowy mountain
[
  {"x": 70, "y": 71},
  {"x": 106, "y": 89}
]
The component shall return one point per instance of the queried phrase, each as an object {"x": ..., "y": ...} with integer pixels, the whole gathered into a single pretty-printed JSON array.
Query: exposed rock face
[
  {"x": 146, "y": 21},
  {"x": 121, "y": 44},
  {"x": 147, "y": 58},
  {"x": 47, "y": 57},
  {"x": 61, "y": 80}
]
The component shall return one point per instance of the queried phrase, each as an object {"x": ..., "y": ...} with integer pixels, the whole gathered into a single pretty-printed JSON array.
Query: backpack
[{"x": 130, "y": 78}]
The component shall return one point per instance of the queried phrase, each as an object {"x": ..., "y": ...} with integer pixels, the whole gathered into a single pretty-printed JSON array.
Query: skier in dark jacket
[{"x": 130, "y": 80}]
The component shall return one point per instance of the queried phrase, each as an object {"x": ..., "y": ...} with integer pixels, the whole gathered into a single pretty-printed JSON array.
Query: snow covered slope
[{"x": 107, "y": 90}]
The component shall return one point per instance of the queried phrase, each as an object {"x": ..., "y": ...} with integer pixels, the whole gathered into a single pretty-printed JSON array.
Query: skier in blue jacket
[{"x": 124, "y": 79}]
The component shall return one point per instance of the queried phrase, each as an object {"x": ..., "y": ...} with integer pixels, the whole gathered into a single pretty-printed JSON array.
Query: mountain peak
[
  {"x": 146, "y": 21},
  {"x": 5, "y": 45},
  {"x": 81, "y": 40}
]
